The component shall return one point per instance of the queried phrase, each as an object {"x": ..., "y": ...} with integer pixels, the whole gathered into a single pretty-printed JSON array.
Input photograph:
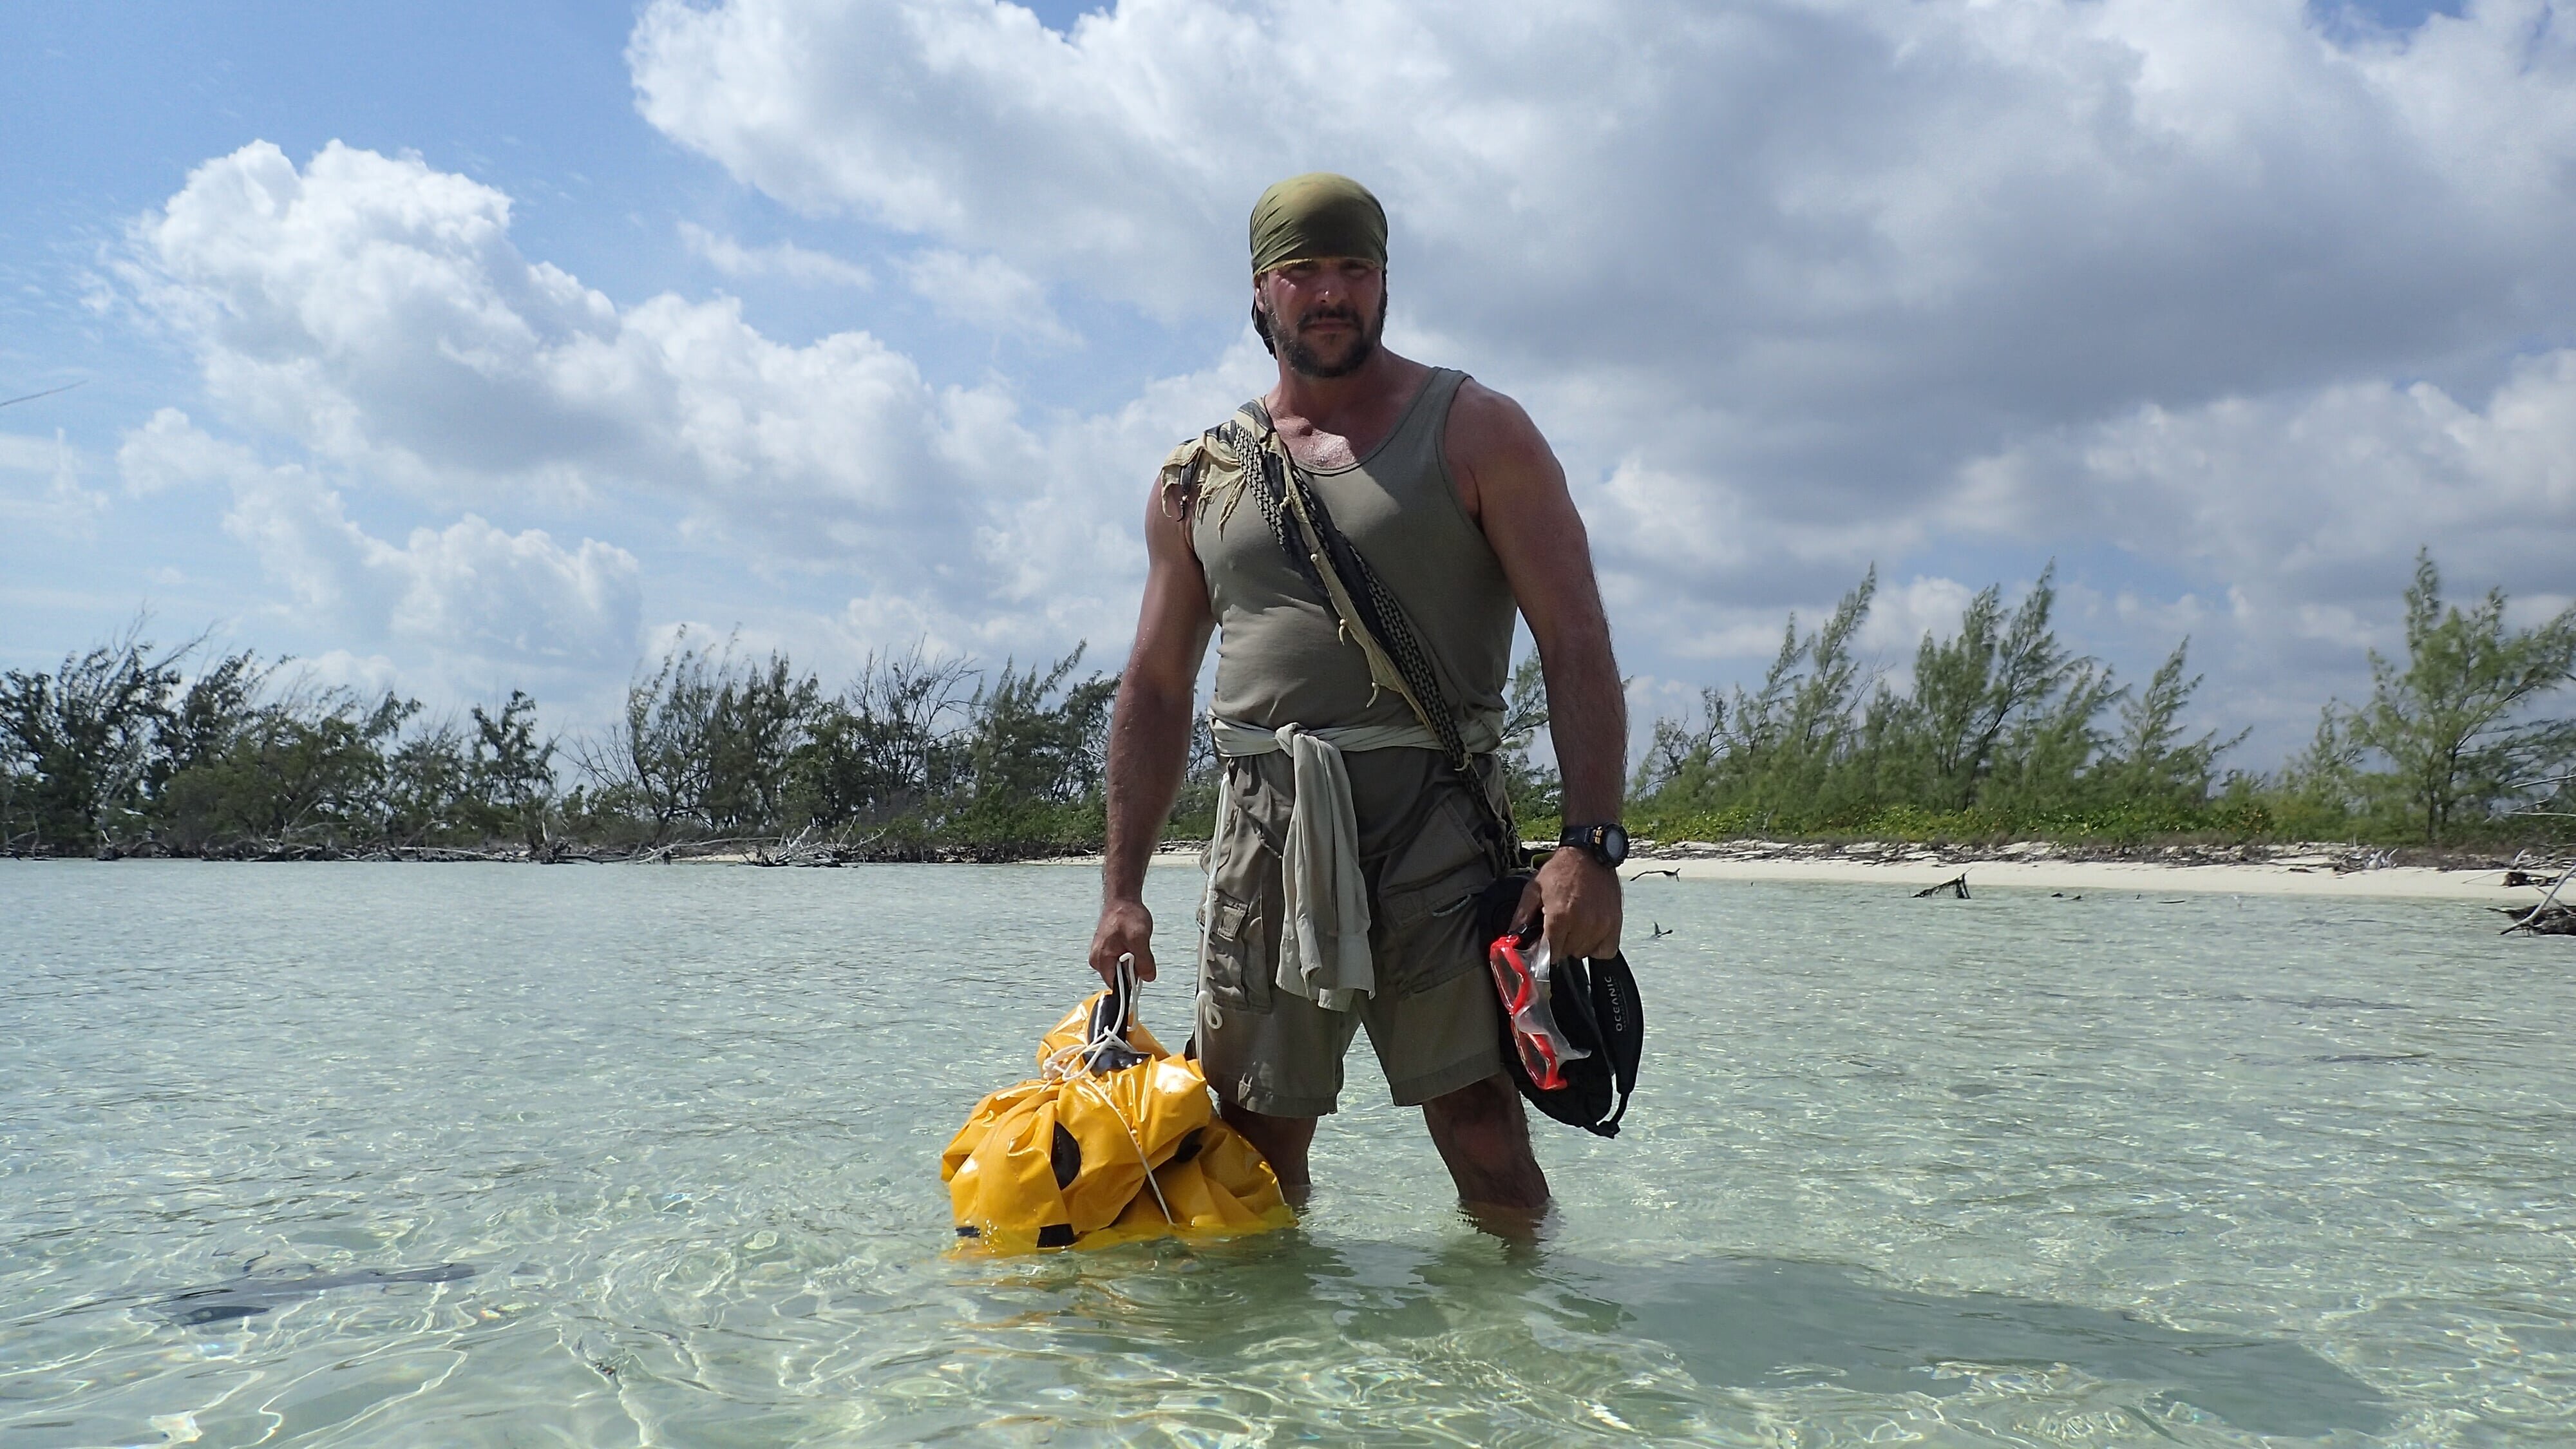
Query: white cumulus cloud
[
  {"x": 2197, "y": 292},
  {"x": 373, "y": 313},
  {"x": 2320, "y": 496},
  {"x": 1781, "y": 277},
  {"x": 471, "y": 594},
  {"x": 779, "y": 259},
  {"x": 40, "y": 486},
  {"x": 374, "y": 310},
  {"x": 987, "y": 294}
]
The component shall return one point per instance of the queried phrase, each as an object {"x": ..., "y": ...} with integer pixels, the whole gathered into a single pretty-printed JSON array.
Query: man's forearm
[
  {"x": 1149, "y": 743},
  {"x": 1587, "y": 718}
]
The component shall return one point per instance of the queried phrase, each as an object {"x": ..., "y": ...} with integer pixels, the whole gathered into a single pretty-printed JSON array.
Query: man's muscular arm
[
  {"x": 1149, "y": 737},
  {"x": 1511, "y": 483}
]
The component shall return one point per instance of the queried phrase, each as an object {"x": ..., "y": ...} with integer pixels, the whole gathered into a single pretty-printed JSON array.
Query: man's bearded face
[{"x": 1327, "y": 334}]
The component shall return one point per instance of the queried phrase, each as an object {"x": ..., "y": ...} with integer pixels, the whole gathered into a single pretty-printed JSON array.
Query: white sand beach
[
  {"x": 2026, "y": 867},
  {"x": 2323, "y": 871}
]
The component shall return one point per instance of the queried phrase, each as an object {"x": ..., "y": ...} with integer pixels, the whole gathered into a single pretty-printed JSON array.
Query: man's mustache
[{"x": 1349, "y": 315}]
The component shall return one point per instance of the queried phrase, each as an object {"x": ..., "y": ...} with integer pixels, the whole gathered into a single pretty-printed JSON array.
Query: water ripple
[{"x": 1982, "y": 1172}]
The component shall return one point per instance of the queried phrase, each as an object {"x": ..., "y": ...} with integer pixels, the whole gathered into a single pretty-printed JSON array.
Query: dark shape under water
[
  {"x": 248, "y": 1297},
  {"x": 1751, "y": 1321},
  {"x": 1732, "y": 1323}
]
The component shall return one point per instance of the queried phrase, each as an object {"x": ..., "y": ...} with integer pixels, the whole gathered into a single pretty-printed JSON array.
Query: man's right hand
[{"x": 1126, "y": 929}]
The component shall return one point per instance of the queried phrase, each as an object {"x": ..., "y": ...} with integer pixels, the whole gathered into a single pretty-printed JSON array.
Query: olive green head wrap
[{"x": 1316, "y": 215}]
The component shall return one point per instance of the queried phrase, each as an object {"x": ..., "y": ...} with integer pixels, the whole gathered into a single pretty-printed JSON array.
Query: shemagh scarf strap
[{"x": 1323, "y": 936}]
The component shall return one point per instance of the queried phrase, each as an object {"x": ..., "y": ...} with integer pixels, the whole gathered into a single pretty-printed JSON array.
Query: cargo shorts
[{"x": 1433, "y": 1019}]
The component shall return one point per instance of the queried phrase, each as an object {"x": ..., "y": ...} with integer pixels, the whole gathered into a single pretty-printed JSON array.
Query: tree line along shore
[{"x": 1998, "y": 734}]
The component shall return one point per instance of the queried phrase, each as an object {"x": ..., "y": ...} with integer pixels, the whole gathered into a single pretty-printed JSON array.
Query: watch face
[{"x": 1614, "y": 844}]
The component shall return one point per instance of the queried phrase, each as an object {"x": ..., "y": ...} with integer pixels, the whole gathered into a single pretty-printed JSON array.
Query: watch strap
[{"x": 1592, "y": 840}]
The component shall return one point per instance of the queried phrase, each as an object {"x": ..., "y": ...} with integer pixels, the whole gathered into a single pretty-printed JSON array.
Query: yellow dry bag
[{"x": 1114, "y": 1140}]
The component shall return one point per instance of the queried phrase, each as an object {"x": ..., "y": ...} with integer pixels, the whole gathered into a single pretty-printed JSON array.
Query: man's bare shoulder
[{"x": 1491, "y": 442}]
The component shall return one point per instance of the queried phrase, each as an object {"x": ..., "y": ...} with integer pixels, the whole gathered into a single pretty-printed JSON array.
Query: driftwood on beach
[
  {"x": 2546, "y": 917},
  {"x": 2552, "y": 920}
]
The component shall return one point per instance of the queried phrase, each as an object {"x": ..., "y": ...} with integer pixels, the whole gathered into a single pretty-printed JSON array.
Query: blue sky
[{"x": 2224, "y": 307}]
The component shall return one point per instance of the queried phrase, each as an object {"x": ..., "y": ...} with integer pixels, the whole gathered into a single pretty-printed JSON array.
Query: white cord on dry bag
[{"x": 1072, "y": 1065}]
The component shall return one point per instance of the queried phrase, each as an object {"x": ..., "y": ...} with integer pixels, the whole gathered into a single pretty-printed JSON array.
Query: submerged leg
[
  {"x": 1484, "y": 1138},
  {"x": 1283, "y": 1141}
]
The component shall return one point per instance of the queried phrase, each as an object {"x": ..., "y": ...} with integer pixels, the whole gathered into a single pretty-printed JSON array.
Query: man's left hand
[{"x": 1578, "y": 898}]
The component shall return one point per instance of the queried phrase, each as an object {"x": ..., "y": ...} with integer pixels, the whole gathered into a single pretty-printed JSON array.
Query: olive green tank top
[{"x": 1281, "y": 658}]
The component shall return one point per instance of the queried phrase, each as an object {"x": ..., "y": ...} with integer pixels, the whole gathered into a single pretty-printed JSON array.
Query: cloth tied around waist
[{"x": 1324, "y": 934}]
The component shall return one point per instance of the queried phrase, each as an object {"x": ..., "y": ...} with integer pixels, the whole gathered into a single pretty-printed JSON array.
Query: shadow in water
[
  {"x": 1731, "y": 1322},
  {"x": 1745, "y": 1322},
  {"x": 250, "y": 1296}
]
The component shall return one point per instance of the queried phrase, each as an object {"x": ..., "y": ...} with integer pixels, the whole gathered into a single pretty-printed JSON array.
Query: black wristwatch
[{"x": 1607, "y": 844}]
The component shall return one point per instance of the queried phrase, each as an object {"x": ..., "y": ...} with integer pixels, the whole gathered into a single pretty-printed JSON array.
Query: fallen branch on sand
[
  {"x": 2539, "y": 921},
  {"x": 2547, "y": 918}
]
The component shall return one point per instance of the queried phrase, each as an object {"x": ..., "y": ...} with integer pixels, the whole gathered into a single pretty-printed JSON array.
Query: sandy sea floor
[{"x": 380, "y": 1155}]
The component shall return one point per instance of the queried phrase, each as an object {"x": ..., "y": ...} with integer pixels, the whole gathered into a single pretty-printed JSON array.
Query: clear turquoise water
[{"x": 2016, "y": 1170}]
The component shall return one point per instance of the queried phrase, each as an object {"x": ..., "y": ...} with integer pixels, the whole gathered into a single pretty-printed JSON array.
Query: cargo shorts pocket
[
  {"x": 1424, "y": 908},
  {"x": 1230, "y": 960}
]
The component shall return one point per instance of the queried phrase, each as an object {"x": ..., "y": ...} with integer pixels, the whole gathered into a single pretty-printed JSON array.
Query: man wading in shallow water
[{"x": 1351, "y": 843}]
